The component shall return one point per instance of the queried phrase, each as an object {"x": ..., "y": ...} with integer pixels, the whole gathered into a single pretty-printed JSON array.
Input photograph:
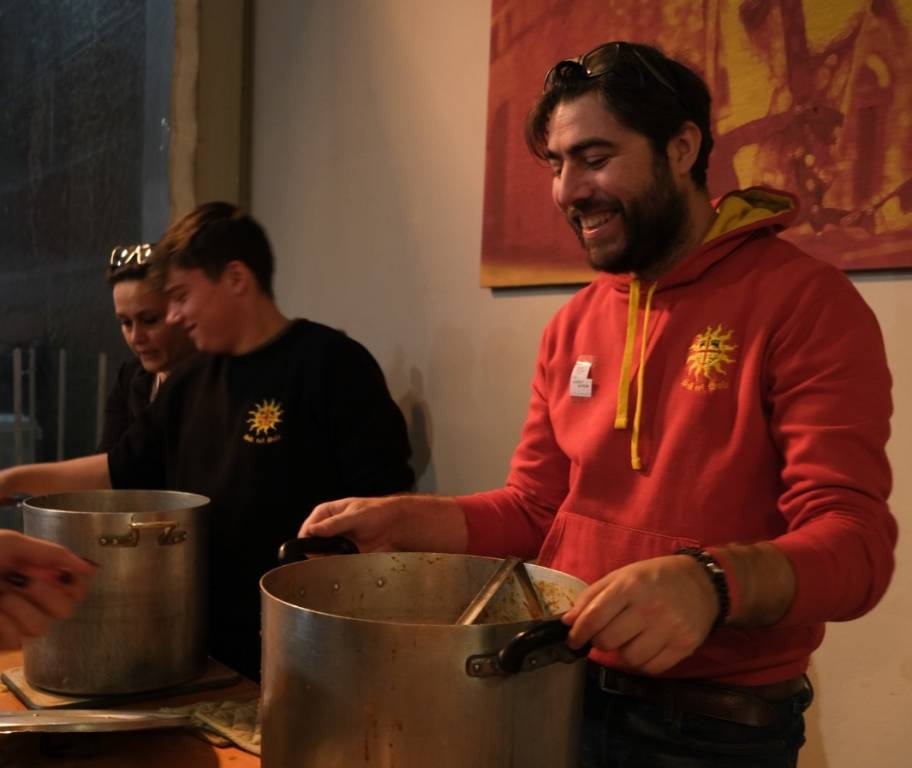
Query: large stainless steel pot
[
  {"x": 363, "y": 665},
  {"x": 142, "y": 626}
]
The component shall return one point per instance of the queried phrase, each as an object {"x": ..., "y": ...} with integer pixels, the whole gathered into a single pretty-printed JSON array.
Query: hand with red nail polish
[{"x": 39, "y": 582}]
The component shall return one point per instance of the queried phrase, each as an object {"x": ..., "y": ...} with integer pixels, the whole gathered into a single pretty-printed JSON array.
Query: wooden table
[{"x": 174, "y": 748}]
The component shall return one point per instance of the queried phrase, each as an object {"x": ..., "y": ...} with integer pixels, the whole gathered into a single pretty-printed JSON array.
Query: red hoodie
[{"x": 743, "y": 397}]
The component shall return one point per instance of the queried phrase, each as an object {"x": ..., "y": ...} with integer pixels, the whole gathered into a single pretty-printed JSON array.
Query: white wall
[
  {"x": 863, "y": 670},
  {"x": 368, "y": 162}
]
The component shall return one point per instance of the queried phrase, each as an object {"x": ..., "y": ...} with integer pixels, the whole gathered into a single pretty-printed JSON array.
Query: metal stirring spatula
[{"x": 491, "y": 586}]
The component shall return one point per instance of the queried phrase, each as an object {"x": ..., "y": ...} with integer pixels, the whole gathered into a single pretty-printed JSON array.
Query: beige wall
[{"x": 367, "y": 169}]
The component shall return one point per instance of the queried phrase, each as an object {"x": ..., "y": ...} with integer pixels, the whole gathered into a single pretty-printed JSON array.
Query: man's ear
[
  {"x": 238, "y": 277},
  {"x": 684, "y": 148}
]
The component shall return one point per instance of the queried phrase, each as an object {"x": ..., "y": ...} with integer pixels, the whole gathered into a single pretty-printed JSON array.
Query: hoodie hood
[
  {"x": 748, "y": 208},
  {"x": 739, "y": 216}
]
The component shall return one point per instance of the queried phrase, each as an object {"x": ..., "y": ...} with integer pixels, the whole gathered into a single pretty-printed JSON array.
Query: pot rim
[
  {"x": 47, "y": 502},
  {"x": 467, "y": 628}
]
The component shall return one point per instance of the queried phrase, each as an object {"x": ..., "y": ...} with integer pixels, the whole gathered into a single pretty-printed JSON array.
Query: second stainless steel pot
[
  {"x": 143, "y": 625},
  {"x": 364, "y": 665}
]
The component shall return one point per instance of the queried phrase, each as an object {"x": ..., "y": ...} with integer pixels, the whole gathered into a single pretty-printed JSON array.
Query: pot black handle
[
  {"x": 551, "y": 633},
  {"x": 294, "y": 550}
]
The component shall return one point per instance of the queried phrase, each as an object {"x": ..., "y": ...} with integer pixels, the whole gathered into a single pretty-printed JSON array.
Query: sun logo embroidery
[
  {"x": 264, "y": 420},
  {"x": 709, "y": 354}
]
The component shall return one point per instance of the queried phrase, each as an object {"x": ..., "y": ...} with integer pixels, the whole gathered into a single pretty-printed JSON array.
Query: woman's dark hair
[
  {"x": 209, "y": 237},
  {"x": 129, "y": 272},
  {"x": 642, "y": 88}
]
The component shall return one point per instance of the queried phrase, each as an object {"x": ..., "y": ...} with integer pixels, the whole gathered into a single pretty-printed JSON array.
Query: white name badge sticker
[{"x": 580, "y": 378}]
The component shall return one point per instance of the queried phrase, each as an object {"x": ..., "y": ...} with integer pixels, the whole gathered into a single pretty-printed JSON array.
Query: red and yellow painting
[{"x": 809, "y": 96}]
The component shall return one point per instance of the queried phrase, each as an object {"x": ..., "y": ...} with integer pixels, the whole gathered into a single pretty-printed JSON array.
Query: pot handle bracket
[
  {"x": 538, "y": 647},
  {"x": 171, "y": 533}
]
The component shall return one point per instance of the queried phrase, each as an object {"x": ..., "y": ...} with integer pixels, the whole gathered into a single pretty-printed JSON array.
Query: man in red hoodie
[{"x": 705, "y": 438}]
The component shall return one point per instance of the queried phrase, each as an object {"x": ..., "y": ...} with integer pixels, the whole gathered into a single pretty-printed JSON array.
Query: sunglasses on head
[
  {"x": 124, "y": 255},
  {"x": 603, "y": 61}
]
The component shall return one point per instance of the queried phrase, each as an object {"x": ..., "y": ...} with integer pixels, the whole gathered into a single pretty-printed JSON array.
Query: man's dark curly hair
[{"x": 637, "y": 99}]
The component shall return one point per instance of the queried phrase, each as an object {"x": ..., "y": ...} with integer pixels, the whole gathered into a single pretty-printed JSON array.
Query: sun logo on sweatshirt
[
  {"x": 709, "y": 354},
  {"x": 264, "y": 419}
]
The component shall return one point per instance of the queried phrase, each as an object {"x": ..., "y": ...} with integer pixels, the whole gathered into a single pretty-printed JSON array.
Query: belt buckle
[{"x": 603, "y": 683}]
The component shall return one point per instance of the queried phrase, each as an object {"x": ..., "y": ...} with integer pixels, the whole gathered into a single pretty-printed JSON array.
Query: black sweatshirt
[
  {"x": 128, "y": 398},
  {"x": 266, "y": 436}
]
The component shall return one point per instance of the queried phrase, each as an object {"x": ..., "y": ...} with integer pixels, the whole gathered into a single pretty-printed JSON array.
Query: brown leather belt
[{"x": 758, "y": 706}]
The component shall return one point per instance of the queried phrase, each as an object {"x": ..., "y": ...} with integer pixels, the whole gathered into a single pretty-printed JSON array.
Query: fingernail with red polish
[{"x": 16, "y": 579}]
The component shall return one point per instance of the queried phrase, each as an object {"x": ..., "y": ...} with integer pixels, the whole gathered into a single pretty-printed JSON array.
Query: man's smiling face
[{"x": 617, "y": 194}]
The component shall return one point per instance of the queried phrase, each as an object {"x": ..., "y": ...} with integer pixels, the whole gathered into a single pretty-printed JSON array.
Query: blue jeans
[{"x": 623, "y": 732}]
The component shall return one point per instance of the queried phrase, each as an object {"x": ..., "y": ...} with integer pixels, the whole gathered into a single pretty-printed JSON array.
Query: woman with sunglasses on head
[{"x": 140, "y": 307}]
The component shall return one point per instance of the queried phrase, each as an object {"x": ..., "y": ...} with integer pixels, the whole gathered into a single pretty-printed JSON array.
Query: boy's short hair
[{"x": 211, "y": 236}]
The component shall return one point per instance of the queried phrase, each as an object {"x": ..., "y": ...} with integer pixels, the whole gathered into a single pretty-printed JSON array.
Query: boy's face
[{"x": 206, "y": 308}]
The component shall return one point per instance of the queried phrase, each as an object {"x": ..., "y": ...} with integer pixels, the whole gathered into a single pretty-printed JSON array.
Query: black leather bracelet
[{"x": 716, "y": 575}]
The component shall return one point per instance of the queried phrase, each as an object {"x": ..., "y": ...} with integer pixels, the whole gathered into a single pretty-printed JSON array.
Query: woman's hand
[{"x": 39, "y": 582}]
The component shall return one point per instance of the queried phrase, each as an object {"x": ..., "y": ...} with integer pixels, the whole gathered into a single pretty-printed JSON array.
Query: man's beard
[{"x": 655, "y": 224}]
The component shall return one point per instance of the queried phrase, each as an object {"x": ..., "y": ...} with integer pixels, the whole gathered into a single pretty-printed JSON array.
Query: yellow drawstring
[
  {"x": 638, "y": 410},
  {"x": 620, "y": 417}
]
